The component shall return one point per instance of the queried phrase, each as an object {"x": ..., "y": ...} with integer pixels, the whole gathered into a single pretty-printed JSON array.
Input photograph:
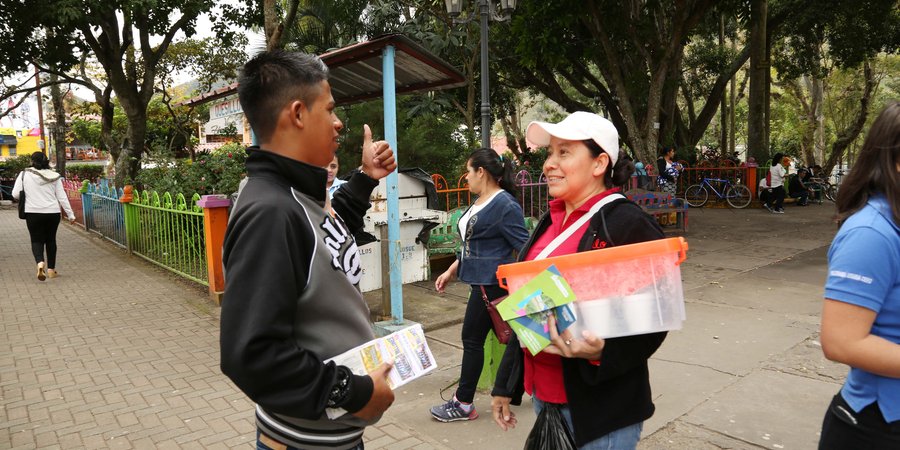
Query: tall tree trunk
[
  {"x": 723, "y": 118},
  {"x": 129, "y": 162},
  {"x": 59, "y": 130},
  {"x": 759, "y": 69},
  {"x": 818, "y": 102}
]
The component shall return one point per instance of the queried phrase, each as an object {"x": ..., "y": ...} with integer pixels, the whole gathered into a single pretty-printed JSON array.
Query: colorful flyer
[
  {"x": 407, "y": 348},
  {"x": 545, "y": 291},
  {"x": 533, "y": 330},
  {"x": 529, "y": 308}
]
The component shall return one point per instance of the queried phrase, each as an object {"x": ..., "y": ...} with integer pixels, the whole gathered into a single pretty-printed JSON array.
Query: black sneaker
[{"x": 452, "y": 411}]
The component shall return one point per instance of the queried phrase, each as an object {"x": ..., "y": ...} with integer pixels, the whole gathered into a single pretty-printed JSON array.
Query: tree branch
[
  {"x": 16, "y": 106},
  {"x": 714, "y": 99}
]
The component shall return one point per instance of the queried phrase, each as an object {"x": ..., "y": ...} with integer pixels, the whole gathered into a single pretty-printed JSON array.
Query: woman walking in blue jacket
[{"x": 492, "y": 229}]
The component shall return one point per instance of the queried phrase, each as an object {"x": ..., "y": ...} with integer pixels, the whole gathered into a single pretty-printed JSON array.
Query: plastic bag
[{"x": 550, "y": 431}]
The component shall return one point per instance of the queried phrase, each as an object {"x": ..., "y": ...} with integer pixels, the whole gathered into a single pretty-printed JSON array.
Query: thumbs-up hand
[{"x": 377, "y": 157}]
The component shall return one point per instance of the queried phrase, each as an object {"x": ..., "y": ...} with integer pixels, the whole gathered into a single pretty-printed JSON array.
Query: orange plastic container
[{"x": 619, "y": 291}]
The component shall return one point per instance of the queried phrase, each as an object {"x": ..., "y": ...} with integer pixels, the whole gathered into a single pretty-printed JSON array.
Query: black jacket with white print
[{"x": 292, "y": 300}]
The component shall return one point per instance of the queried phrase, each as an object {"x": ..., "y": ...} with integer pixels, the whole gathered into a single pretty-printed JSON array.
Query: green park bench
[{"x": 444, "y": 238}]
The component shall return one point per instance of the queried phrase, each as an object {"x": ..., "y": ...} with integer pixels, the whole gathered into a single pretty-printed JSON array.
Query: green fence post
[{"x": 129, "y": 214}]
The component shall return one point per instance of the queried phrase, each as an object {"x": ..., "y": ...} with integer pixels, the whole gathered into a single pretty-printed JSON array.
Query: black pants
[
  {"x": 42, "y": 228},
  {"x": 802, "y": 197},
  {"x": 869, "y": 432},
  {"x": 776, "y": 199},
  {"x": 476, "y": 326}
]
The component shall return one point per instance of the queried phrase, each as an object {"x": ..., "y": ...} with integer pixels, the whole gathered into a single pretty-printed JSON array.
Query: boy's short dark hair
[{"x": 272, "y": 79}]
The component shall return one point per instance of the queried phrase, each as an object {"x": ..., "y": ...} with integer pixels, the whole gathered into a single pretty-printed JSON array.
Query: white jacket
[
  {"x": 44, "y": 193},
  {"x": 777, "y": 171}
]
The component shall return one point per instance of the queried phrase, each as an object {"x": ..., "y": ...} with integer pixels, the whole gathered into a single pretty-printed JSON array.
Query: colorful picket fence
[
  {"x": 168, "y": 231},
  {"x": 103, "y": 213}
]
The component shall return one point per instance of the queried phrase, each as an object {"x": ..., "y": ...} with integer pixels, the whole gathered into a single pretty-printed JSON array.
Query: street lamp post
[{"x": 454, "y": 8}]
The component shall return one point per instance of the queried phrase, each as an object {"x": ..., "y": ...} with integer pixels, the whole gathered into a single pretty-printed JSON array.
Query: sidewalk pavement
[{"x": 116, "y": 353}]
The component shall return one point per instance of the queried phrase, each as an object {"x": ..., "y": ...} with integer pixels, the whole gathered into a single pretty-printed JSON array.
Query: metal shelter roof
[{"x": 356, "y": 71}]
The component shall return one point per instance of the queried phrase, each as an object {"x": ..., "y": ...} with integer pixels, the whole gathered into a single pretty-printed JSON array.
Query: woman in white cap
[{"x": 602, "y": 387}]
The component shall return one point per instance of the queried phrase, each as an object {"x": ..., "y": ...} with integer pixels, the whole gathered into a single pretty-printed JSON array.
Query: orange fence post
[{"x": 215, "y": 220}]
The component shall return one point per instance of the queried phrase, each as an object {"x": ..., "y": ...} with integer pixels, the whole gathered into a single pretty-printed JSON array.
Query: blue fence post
[{"x": 87, "y": 208}]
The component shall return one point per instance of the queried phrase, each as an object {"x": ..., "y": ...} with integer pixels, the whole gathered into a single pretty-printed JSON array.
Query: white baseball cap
[{"x": 579, "y": 126}]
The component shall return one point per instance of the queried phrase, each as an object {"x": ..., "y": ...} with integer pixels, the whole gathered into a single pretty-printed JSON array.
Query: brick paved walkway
[{"x": 116, "y": 353}]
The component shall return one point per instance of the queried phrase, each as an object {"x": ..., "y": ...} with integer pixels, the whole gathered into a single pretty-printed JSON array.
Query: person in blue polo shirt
[{"x": 861, "y": 316}]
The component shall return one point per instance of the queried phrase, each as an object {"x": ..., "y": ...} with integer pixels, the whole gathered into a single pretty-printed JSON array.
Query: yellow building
[{"x": 15, "y": 142}]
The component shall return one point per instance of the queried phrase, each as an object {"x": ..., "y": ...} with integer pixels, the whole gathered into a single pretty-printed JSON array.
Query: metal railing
[
  {"x": 534, "y": 196},
  {"x": 168, "y": 232},
  {"x": 452, "y": 198},
  {"x": 531, "y": 192},
  {"x": 103, "y": 213}
]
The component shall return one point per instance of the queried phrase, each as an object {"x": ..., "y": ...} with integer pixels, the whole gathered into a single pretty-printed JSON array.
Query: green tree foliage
[
  {"x": 839, "y": 36},
  {"x": 428, "y": 141},
  {"x": 624, "y": 58},
  {"x": 216, "y": 172},
  {"x": 118, "y": 36}
]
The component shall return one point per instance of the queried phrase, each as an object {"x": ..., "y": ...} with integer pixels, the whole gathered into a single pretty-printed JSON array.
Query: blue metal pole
[{"x": 393, "y": 188}]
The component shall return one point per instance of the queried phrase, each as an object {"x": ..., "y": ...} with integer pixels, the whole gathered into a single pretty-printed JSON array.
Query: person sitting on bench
[{"x": 797, "y": 189}]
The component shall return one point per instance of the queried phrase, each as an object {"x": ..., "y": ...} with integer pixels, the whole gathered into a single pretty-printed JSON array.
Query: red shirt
[{"x": 545, "y": 369}]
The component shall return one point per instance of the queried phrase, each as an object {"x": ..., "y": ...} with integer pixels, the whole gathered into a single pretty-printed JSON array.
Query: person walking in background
[
  {"x": 861, "y": 313},
  {"x": 777, "y": 172},
  {"x": 292, "y": 300},
  {"x": 601, "y": 386},
  {"x": 44, "y": 196},
  {"x": 492, "y": 230}
]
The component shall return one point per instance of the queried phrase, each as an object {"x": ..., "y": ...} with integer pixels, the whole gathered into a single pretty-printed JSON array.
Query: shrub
[
  {"x": 84, "y": 171},
  {"x": 11, "y": 167},
  {"x": 215, "y": 172}
]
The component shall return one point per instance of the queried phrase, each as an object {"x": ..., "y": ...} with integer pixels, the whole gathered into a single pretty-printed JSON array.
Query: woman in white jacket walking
[{"x": 44, "y": 195}]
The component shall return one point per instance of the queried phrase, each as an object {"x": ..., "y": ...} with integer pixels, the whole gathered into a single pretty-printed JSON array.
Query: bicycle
[
  {"x": 737, "y": 195},
  {"x": 824, "y": 186}
]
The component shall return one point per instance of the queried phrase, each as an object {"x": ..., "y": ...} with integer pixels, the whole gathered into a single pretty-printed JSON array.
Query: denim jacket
[{"x": 491, "y": 237}]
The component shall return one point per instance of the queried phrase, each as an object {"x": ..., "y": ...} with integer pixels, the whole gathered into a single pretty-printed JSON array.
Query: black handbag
[
  {"x": 22, "y": 197},
  {"x": 501, "y": 327}
]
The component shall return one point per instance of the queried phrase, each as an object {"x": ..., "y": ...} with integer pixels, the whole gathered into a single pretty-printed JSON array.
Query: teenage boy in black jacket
[{"x": 292, "y": 269}]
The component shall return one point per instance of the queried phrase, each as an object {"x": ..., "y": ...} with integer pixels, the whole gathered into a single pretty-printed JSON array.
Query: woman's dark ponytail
[
  {"x": 498, "y": 166},
  {"x": 621, "y": 172}
]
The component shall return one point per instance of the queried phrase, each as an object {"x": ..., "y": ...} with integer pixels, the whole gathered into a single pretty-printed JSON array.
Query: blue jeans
[{"x": 625, "y": 438}]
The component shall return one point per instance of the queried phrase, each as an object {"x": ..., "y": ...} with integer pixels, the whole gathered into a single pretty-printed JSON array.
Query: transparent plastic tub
[{"x": 620, "y": 291}]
